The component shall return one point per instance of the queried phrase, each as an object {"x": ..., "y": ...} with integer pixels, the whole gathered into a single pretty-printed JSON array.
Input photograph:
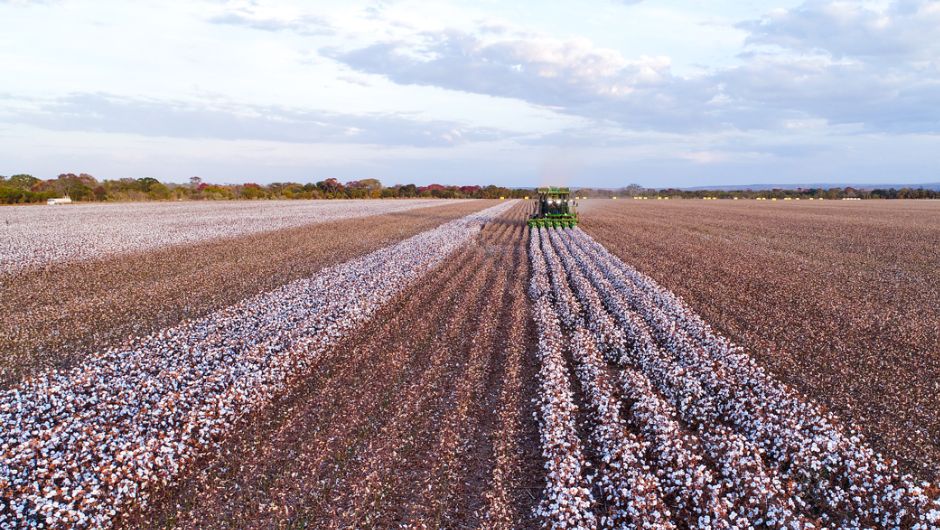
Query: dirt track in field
[
  {"x": 839, "y": 300},
  {"x": 426, "y": 416},
  {"x": 51, "y": 317}
]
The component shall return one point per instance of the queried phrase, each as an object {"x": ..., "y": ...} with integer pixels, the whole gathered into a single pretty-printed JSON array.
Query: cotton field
[
  {"x": 456, "y": 369},
  {"x": 721, "y": 442},
  {"x": 80, "y": 445},
  {"x": 35, "y": 235},
  {"x": 838, "y": 300}
]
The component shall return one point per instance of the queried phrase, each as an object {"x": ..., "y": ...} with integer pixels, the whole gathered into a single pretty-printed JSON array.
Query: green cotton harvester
[{"x": 555, "y": 209}]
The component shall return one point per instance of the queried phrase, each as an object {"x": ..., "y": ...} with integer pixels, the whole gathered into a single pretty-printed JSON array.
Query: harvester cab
[{"x": 555, "y": 209}]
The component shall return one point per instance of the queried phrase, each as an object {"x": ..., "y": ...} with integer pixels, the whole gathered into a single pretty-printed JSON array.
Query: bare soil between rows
[
  {"x": 51, "y": 317},
  {"x": 424, "y": 417},
  {"x": 840, "y": 301}
]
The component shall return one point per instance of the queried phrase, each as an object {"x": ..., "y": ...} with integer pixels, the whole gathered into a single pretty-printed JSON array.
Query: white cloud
[
  {"x": 463, "y": 89},
  {"x": 900, "y": 30},
  {"x": 571, "y": 76},
  {"x": 223, "y": 120},
  {"x": 764, "y": 91}
]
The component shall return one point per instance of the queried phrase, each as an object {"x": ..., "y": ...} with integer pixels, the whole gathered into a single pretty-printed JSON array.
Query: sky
[{"x": 591, "y": 93}]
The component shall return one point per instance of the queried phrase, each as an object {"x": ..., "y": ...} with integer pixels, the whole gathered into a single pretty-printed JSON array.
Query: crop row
[
  {"x": 77, "y": 447},
  {"x": 566, "y": 499},
  {"x": 631, "y": 492},
  {"x": 829, "y": 470},
  {"x": 730, "y": 446},
  {"x": 40, "y": 235},
  {"x": 754, "y": 494},
  {"x": 686, "y": 483},
  {"x": 796, "y": 288}
]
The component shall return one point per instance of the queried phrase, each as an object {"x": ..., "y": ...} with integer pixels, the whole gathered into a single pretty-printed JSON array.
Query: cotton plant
[{"x": 79, "y": 447}]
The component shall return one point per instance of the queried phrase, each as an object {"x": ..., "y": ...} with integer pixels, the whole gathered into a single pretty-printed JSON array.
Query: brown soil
[
  {"x": 53, "y": 316},
  {"x": 425, "y": 417},
  {"x": 840, "y": 300}
]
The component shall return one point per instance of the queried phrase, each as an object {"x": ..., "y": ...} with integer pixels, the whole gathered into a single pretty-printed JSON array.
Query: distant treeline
[
  {"x": 20, "y": 189},
  {"x": 635, "y": 190}
]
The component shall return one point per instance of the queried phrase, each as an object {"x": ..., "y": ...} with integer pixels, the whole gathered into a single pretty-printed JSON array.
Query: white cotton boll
[
  {"x": 186, "y": 385},
  {"x": 776, "y": 425},
  {"x": 84, "y": 231}
]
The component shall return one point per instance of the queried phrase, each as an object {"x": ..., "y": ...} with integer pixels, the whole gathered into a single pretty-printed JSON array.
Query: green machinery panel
[{"x": 555, "y": 209}]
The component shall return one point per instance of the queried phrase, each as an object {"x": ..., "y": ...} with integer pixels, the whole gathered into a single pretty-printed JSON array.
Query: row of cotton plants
[
  {"x": 697, "y": 497},
  {"x": 78, "y": 447},
  {"x": 755, "y": 492},
  {"x": 35, "y": 235},
  {"x": 566, "y": 499},
  {"x": 720, "y": 390},
  {"x": 632, "y": 495}
]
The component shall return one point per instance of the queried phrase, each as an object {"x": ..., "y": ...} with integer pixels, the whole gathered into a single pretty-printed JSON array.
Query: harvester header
[{"x": 555, "y": 209}]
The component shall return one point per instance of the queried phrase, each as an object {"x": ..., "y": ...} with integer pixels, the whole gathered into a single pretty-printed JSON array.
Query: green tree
[
  {"x": 408, "y": 190},
  {"x": 158, "y": 191},
  {"x": 23, "y": 181},
  {"x": 251, "y": 191},
  {"x": 146, "y": 184}
]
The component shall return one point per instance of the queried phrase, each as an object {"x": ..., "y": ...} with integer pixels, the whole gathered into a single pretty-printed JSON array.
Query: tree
[
  {"x": 365, "y": 187},
  {"x": 22, "y": 181},
  {"x": 408, "y": 190},
  {"x": 251, "y": 191},
  {"x": 633, "y": 190},
  {"x": 78, "y": 187},
  {"x": 331, "y": 186},
  {"x": 159, "y": 191},
  {"x": 146, "y": 184}
]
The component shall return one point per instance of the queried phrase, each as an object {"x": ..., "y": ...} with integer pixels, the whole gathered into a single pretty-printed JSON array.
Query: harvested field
[
  {"x": 839, "y": 300},
  {"x": 425, "y": 417},
  {"x": 55, "y": 315},
  {"x": 35, "y": 236},
  {"x": 666, "y": 424},
  {"x": 83, "y": 445}
]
